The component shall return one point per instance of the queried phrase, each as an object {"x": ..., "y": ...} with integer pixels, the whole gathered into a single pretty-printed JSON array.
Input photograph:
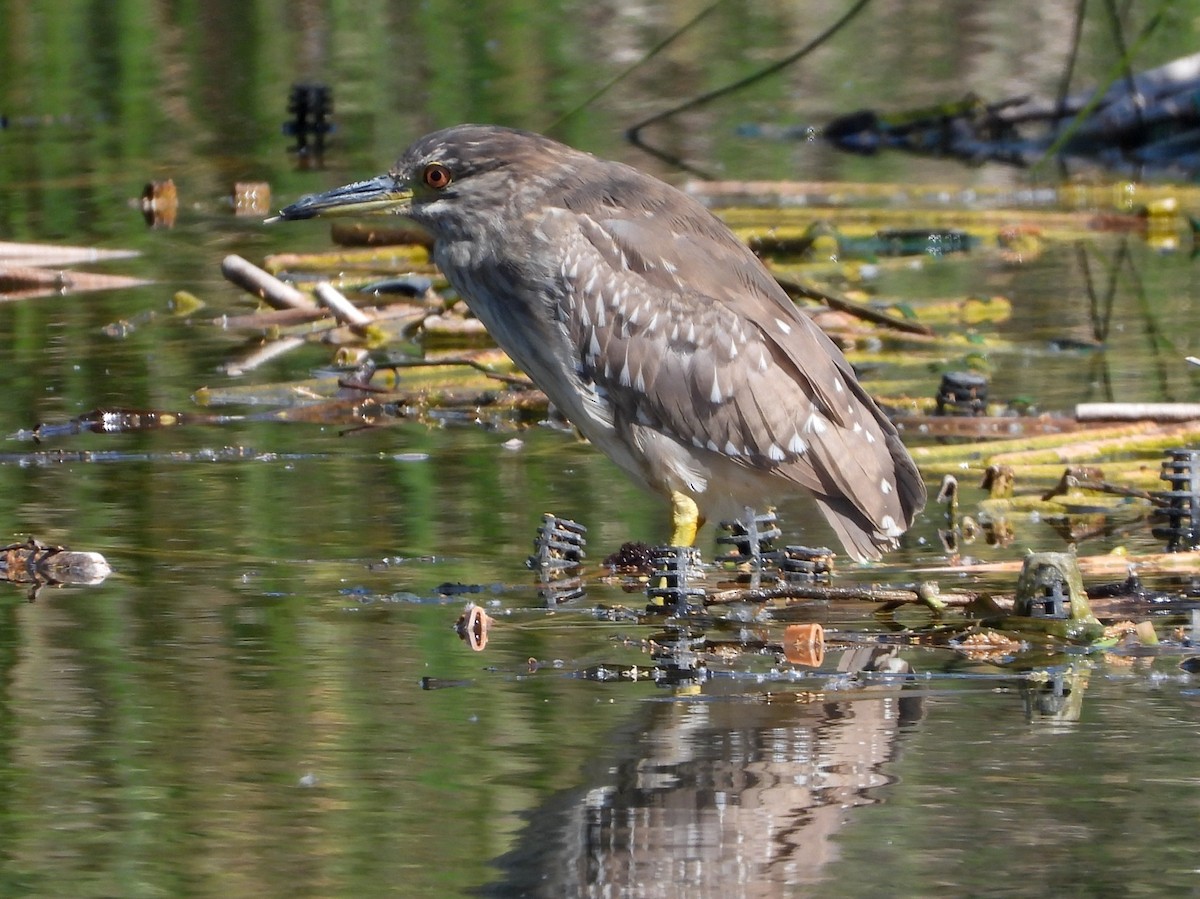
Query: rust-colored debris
[
  {"x": 160, "y": 204},
  {"x": 804, "y": 644},
  {"x": 251, "y": 198},
  {"x": 473, "y": 626}
]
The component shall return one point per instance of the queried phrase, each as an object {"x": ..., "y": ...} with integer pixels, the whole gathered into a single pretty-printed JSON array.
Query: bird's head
[{"x": 450, "y": 181}]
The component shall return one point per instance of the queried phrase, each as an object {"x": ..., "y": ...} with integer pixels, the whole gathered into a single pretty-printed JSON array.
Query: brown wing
[{"x": 725, "y": 361}]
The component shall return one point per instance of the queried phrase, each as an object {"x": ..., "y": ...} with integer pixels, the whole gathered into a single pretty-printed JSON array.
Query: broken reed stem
[
  {"x": 264, "y": 285},
  {"x": 343, "y": 310}
]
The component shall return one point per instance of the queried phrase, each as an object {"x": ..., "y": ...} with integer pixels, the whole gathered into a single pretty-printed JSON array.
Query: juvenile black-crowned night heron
[{"x": 652, "y": 327}]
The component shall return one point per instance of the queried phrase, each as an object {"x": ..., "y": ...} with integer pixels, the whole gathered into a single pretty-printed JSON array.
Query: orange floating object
[{"x": 804, "y": 644}]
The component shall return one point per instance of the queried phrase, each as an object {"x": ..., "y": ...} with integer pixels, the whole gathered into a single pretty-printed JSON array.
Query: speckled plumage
[{"x": 655, "y": 330}]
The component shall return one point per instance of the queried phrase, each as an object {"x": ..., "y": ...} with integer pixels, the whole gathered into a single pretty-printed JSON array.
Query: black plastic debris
[
  {"x": 559, "y": 545},
  {"x": 752, "y": 539},
  {"x": 677, "y": 658},
  {"x": 1181, "y": 469},
  {"x": 806, "y": 564},
  {"x": 557, "y": 559},
  {"x": 1051, "y": 586},
  {"x": 670, "y": 583},
  {"x": 416, "y": 286},
  {"x": 310, "y": 107},
  {"x": 962, "y": 393}
]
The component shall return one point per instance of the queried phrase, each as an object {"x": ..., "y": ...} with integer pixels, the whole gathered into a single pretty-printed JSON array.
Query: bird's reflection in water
[{"x": 728, "y": 795}]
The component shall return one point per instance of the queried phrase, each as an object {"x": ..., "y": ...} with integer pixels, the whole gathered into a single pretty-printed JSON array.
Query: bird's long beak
[{"x": 384, "y": 195}]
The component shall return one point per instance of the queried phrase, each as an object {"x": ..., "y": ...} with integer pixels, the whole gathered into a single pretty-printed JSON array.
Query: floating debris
[
  {"x": 160, "y": 204},
  {"x": 559, "y": 545},
  {"x": 753, "y": 540},
  {"x": 962, "y": 393},
  {"x": 251, "y": 198},
  {"x": 631, "y": 557},
  {"x": 804, "y": 644},
  {"x": 807, "y": 564},
  {"x": 557, "y": 559},
  {"x": 117, "y": 421},
  {"x": 39, "y": 565},
  {"x": 265, "y": 286},
  {"x": 1163, "y": 412},
  {"x": 310, "y": 107},
  {"x": 358, "y": 234},
  {"x": 669, "y": 587},
  {"x": 987, "y": 646},
  {"x": 29, "y": 270},
  {"x": 473, "y": 626},
  {"x": 345, "y": 311},
  {"x": 442, "y": 683},
  {"x": 1182, "y": 471},
  {"x": 43, "y": 255}
]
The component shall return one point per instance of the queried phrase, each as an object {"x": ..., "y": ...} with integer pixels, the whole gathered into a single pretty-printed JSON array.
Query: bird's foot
[{"x": 685, "y": 519}]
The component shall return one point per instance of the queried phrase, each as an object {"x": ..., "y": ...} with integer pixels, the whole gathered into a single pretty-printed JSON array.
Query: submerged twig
[
  {"x": 859, "y": 310},
  {"x": 813, "y": 591},
  {"x": 634, "y": 133}
]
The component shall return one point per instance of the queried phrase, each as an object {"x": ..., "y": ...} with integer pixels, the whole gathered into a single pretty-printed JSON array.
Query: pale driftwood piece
[
  {"x": 48, "y": 255},
  {"x": 343, "y": 310},
  {"x": 1137, "y": 411},
  {"x": 26, "y": 282},
  {"x": 262, "y": 355},
  {"x": 264, "y": 285}
]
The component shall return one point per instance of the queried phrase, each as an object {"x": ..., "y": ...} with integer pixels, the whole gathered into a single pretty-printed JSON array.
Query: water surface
[{"x": 268, "y": 696}]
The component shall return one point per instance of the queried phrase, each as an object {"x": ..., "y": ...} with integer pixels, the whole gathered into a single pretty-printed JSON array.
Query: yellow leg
[{"x": 685, "y": 519}]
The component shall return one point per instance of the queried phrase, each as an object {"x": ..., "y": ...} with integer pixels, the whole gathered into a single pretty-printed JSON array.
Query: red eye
[{"x": 437, "y": 176}]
